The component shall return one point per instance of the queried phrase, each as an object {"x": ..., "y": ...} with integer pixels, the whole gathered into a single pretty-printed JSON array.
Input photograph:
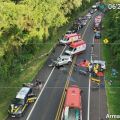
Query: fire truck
[
  {"x": 76, "y": 47},
  {"x": 73, "y": 106},
  {"x": 68, "y": 38}
]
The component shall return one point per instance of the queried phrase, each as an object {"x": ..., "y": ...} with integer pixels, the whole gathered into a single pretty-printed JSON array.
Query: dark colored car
[
  {"x": 70, "y": 32},
  {"x": 97, "y": 35}
]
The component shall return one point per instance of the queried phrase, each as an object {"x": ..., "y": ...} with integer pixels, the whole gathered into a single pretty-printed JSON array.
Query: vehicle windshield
[
  {"x": 71, "y": 49},
  {"x": 68, "y": 32},
  {"x": 73, "y": 114},
  {"x": 18, "y": 101},
  {"x": 65, "y": 39}
]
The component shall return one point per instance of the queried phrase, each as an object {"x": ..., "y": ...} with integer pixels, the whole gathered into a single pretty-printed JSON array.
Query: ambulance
[
  {"x": 76, "y": 47},
  {"x": 68, "y": 38},
  {"x": 73, "y": 105}
]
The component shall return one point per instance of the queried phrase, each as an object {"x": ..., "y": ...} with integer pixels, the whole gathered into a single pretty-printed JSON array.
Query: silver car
[
  {"x": 89, "y": 16},
  {"x": 62, "y": 60}
]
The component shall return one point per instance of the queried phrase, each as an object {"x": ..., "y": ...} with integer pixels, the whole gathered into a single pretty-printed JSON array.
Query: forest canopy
[{"x": 23, "y": 23}]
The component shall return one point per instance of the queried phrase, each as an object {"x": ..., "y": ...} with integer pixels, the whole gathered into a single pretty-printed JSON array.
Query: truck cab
[
  {"x": 76, "y": 47},
  {"x": 68, "y": 38},
  {"x": 73, "y": 106}
]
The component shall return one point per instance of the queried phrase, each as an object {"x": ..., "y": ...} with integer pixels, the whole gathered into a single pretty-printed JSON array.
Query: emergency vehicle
[
  {"x": 73, "y": 106},
  {"x": 97, "y": 21},
  {"x": 67, "y": 39},
  {"x": 76, "y": 47},
  {"x": 24, "y": 97}
]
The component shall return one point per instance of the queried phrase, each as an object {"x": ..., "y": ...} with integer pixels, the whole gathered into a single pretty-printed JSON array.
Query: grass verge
[{"x": 112, "y": 89}]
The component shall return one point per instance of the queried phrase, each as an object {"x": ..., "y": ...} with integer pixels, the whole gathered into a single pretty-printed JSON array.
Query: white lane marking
[
  {"x": 91, "y": 59},
  {"x": 81, "y": 115},
  {"x": 42, "y": 90},
  {"x": 88, "y": 116}
]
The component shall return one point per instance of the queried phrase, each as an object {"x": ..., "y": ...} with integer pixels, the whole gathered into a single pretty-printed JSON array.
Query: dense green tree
[
  {"x": 23, "y": 23},
  {"x": 112, "y": 30}
]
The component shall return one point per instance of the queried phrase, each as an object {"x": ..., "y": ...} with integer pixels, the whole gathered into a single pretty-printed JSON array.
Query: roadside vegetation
[
  {"x": 111, "y": 53},
  {"x": 29, "y": 29},
  {"x": 112, "y": 1}
]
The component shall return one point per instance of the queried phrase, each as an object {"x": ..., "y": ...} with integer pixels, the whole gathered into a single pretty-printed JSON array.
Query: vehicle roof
[
  {"x": 94, "y": 6},
  {"x": 23, "y": 92},
  {"x": 88, "y": 14},
  {"x": 78, "y": 43},
  {"x": 99, "y": 61},
  {"x": 73, "y": 97},
  {"x": 98, "y": 18},
  {"x": 65, "y": 56},
  {"x": 97, "y": 33},
  {"x": 69, "y": 31},
  {"x": 84, "y": 18},
  {"x": 71, "y": 35}
]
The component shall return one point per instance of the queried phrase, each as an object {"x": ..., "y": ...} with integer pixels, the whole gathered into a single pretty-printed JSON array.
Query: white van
[
  {"x": 76, "y": 47},
  {"x": 67, "y": 39}
]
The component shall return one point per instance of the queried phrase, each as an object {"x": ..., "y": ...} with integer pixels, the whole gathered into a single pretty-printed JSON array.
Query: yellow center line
[{"x": 59, "y": 111}]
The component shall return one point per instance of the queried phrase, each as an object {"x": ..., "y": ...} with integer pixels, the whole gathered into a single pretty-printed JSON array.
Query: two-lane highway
[
  {"x": 48, "y": 103},
  {"x": 81, "y": 80},
  {"x": 55, "y": 79}
]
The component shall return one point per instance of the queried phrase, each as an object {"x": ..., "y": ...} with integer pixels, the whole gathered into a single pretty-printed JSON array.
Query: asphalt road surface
[{"x": 47, "y": 105}]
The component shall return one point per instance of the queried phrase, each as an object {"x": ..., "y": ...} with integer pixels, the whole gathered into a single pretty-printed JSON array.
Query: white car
[
  {"x": 89, "y": 16},
  {"x": 62, "y": 60},
  {"x": 84, "y": 22},
  {"x": 102, "y": 63},
  {"x": 94, "y": 7}
]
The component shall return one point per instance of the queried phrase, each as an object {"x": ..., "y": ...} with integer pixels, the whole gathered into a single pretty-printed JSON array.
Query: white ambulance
[
  {"x": 68, "y": 38},
  {"x": 76, "y": 47}
]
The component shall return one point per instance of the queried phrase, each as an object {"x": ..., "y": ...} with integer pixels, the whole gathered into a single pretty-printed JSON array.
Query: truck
[
  {"x": 69, "y": 38},
  {"x": 97, "y": 21},
  {"x": 76, "y": 47},
  {"x": 72, "y": 109}
]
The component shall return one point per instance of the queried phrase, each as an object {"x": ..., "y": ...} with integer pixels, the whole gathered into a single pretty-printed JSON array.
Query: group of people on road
[
  {"x": 93, "y": 68},
  {"x": 37, "y": 84}
]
